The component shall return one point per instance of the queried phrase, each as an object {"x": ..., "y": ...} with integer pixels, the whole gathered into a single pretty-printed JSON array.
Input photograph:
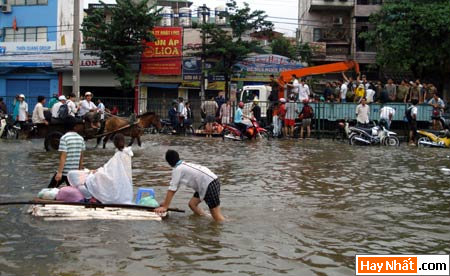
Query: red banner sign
[{"x": 164, "y": 55}]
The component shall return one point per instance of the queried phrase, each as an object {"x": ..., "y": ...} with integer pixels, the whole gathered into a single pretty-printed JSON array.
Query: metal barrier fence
[{"x": 323, "y": 111}]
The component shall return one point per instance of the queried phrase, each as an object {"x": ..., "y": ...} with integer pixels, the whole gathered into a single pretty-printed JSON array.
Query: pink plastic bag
[{"x": 69, "y": 194}]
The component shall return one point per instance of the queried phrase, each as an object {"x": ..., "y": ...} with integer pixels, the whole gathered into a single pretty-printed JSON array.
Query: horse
[{"x": 114, "y": 124}]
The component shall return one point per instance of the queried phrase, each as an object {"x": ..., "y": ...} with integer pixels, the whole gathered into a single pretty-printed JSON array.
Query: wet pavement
[{"x": 294, "y": 208}]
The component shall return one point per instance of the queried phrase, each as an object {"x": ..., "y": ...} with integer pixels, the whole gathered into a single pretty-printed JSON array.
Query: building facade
[
  {"x": 29, "y": 42},
  {"x": 333, "y": 28}
]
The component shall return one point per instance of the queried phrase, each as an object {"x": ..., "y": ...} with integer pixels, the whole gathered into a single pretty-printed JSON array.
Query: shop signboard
[
  {"x": 259, "y": 68},
  {"x": 164, "y": 55},
  {"x": 27, "y": 47},
  {"x": 192, "y": 70}
]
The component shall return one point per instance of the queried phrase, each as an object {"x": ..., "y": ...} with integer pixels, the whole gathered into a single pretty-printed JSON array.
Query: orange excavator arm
[{"x": 321, "y": 69}]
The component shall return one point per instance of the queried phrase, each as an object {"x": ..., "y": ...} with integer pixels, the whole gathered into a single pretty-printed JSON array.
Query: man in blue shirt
[{"x": 238, "y": 116}]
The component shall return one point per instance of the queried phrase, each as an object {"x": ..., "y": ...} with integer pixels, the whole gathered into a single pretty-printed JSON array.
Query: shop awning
[{"x": 161, "y": 85}]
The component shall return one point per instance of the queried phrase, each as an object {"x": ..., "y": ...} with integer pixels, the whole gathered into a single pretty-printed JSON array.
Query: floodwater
[{"x": 294, "y": 208}]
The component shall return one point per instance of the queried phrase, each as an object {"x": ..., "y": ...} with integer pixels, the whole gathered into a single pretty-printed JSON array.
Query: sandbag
[{"x": 148, "y": 201}]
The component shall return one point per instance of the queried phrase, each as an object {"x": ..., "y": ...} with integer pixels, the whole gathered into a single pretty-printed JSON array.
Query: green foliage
[
  {"x": 120, "y": 42},
  {"x": 412, "y": 35},
  {"x": 305, "y": 52},
  {"x": 283, "y": 47},
  {"x": 227, "y": 45}
]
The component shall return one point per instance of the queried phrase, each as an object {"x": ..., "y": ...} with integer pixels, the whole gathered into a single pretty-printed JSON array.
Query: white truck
[{"x": 249, "y": 92}]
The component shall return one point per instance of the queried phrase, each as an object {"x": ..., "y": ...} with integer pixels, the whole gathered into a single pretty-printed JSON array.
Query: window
[
  {"x": 317, "y": 34},
  {"x": 26, "y": 34},
  {"x": 27, "y": 2}
]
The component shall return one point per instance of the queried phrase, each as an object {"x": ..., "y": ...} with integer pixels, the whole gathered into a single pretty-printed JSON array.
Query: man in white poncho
[{"x": 111, "y": 183}]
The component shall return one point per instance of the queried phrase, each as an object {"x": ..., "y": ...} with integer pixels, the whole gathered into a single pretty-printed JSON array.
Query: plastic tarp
[{"x": 111, "y": 183}]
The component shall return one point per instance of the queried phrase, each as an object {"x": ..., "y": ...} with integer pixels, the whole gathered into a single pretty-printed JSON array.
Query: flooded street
[{"x": 295, "y": 208}]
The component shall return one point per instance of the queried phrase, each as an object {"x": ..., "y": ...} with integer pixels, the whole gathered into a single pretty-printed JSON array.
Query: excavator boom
[{"x": 321, "y": 69}]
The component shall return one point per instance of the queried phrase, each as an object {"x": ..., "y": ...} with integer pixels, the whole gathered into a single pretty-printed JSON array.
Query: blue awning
[
  {"x": 161, "y": 85},
  {"x": 25, "y": 64}
]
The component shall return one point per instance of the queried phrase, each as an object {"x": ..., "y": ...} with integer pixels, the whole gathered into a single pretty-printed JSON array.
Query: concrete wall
[{"x": 366, "y": 10}]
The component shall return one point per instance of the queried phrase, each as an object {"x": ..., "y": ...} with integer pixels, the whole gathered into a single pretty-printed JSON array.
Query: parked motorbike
[
  {"x": 435, "y": 138},
  {"x": 372, "y": 136},
  {"x": 7, "y": 128},
  {"x": 431, "y": 138},
  {"x": 253, "y": 131}
]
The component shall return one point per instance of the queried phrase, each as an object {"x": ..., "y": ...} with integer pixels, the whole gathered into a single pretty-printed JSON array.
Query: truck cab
[{"x": 248, "y": 94}]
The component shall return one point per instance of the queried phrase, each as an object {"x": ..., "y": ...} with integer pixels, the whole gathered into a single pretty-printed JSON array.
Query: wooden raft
[{"x": 68, "y": 212}]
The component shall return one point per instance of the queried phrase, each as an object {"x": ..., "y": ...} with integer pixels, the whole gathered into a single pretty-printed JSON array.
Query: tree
[
  {"x": 413, "y": 35},
  {"x": 120, "y": 42},
  {"x": 305, "y": 52},
  {"x": 229, "y": 46},
  {"x": 283, "y": 47}
]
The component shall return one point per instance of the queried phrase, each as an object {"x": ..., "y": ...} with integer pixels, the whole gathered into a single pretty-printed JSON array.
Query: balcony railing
[
  {"x": 331, "y": 4},
  {"x": 369, "y": 2}
]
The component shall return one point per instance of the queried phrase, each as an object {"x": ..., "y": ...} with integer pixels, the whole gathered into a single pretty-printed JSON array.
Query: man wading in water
[{"x": 204, "y": 182}]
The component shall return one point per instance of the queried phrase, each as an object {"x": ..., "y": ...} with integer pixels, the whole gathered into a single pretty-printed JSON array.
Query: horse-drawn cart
[{"x": 52, "y": 133}]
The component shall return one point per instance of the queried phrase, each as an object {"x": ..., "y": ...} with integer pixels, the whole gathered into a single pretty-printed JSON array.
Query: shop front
[{"x": 26, "y": 68}]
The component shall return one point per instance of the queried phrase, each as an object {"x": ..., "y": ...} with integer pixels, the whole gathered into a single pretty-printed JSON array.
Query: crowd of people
[{"x": 58, "y": 109}]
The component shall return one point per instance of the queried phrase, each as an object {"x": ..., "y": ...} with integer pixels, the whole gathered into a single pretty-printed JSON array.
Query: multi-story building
[
  {"x": 31, "y": 33},
  {"x": 333, "y": 28}
]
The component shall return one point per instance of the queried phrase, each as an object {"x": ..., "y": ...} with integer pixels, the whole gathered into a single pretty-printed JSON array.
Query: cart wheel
[{"x": 51, "y": 141}]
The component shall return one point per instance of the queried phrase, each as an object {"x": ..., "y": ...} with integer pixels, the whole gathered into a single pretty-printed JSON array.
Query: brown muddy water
[{"x": 294, "y": 208}]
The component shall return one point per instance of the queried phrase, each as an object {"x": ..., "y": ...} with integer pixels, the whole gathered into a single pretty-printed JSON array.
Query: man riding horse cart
[{"x": 52, "y": 133}]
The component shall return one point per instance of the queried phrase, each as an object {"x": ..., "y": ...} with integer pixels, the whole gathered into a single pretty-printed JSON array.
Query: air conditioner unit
[
  {"x": 338, "y": 21},
  {"x": 6, "y": 8}
]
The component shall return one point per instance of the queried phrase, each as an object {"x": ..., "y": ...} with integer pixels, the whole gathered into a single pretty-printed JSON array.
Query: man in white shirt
[
  {"x": 411, "y": 116},
  {"x": 101, "y": 109},
  {"x": 386, "y": 114},
  {"x": 38, "y": 112},
  {"x": 304, "y": 92},
  {"x": 55, "y": 108},
  {"x": 22, "y": 116},
  {"x": 343, "y": 94},
  {"x": 204, "y": 182},
  {"x": 370, "y": 93},
  {"x": 295, "y": 87},
  {"x": 362, "y": 113},
  {"x": 72, "y": 105},
  {"x": 87, "y": 105}
]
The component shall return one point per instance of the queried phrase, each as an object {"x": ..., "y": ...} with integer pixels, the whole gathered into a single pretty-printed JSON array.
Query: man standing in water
[{"x": 204, "y": 182}]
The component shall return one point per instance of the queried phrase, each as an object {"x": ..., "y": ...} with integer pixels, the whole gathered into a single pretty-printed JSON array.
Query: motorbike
[
  {"x": 253, "y": 131},
  {"x": 429, "y": 138},
  {"x": 7, "y": 128},
  {"x": 435, "y": 138},
  {"x": 372, "y": 136}
]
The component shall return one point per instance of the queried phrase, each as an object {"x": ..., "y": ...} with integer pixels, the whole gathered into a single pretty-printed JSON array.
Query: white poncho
[{"x": 111, "y": 183}]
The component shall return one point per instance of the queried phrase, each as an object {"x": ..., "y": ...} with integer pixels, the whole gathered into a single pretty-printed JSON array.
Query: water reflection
[{"x": 296, "y": 208}]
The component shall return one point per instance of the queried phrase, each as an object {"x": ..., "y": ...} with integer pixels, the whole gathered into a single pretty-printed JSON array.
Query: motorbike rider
[
  {"x": 238, "y": 116},
  {"x": 256, "y": 110}
]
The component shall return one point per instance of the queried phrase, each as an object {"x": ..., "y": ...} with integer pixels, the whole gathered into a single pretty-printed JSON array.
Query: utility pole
[
  {"x": 76, "y": 49},
  {"x": 204, "y": 10}
]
